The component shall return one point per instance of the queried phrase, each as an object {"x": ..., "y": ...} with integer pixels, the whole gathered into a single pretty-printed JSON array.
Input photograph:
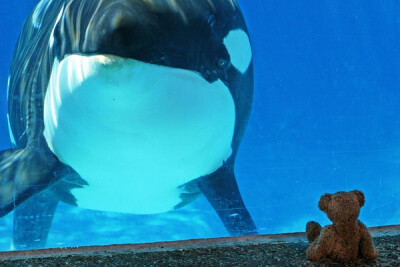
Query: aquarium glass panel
[{"x": 136, "y": 121}]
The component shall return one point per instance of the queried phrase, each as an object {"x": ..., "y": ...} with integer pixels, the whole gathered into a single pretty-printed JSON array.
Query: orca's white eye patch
[{"x": 238, "y": 45}]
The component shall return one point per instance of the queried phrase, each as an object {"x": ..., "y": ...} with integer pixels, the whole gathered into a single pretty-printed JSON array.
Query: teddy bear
[{"x": 347, "y": 238}]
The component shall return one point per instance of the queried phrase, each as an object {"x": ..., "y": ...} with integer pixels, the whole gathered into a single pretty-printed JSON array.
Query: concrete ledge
[{"x": 260, "y": 250}]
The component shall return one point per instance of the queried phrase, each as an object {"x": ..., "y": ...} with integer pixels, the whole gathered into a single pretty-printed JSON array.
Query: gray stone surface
[{"x": 272, "y": 250}]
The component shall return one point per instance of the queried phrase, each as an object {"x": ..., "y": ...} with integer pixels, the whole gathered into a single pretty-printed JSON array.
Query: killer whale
[{"x": 151, "y": 95}]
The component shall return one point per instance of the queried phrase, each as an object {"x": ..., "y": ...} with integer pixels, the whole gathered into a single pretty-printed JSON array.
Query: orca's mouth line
[{"x": 109, "y": 59}]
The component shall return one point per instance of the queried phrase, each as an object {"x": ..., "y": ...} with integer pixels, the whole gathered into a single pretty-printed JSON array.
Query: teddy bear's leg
[
  {"x": 367, "y": 248},
  {"x": 313, "y": 229}
]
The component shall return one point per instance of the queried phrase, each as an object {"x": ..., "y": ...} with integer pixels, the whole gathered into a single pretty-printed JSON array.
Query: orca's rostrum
[{"x": 133, "y": 106}]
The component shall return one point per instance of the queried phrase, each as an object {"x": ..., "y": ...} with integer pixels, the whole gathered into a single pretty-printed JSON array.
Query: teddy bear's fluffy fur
[{"x": 347, "y": 238}]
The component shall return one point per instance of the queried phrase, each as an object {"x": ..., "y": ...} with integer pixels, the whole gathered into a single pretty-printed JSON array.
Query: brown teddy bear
[{"x": 347, "y": 237}]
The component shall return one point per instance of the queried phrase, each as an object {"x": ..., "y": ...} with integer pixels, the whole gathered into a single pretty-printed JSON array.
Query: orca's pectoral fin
[
  {"x": 24, "y": 173},
  {"x": 67, "y": 179},
  {"x": 33, "y": 218},
  {"x": 221, "y": 190},
  {"x": 32, "y": 221},
  {"x": 188, "y": 193}
]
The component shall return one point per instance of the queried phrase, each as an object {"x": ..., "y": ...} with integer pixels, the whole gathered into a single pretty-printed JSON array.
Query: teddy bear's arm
[
  {"x": 367, "y": 248},
  {"x": 321, "y": 247}
]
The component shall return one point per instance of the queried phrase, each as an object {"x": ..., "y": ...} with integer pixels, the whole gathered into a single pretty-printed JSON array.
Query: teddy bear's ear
[
  {"x": 324, "y": 202},
  {"x": 360, "y": 197}
]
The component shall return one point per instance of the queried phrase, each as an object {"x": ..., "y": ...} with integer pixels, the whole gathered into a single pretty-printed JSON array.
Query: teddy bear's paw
[{"x": 313, "y": 230}]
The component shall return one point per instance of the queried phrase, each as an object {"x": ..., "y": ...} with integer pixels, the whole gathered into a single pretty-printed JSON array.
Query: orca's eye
[
  {"x": 222, "y": 63},
  {"x": 223, "y": 60}
]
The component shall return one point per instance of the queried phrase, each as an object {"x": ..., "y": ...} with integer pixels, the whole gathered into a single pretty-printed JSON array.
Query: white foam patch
[
  {"x": 51, "y": 38},
  {"x": 39, "y": 12},
  {"x": 8, "y": 87},
  {"x": 237, "y": 43},
  {"x": 12, "y": 138},
  {"x": 135, "y": 131}
]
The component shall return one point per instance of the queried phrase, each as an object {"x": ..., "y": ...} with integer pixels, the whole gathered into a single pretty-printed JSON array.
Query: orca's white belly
[{"x": 135, "y": 131}]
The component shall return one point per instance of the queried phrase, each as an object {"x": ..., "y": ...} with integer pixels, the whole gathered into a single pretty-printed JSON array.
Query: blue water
[{"x": 326, "y": 118}]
